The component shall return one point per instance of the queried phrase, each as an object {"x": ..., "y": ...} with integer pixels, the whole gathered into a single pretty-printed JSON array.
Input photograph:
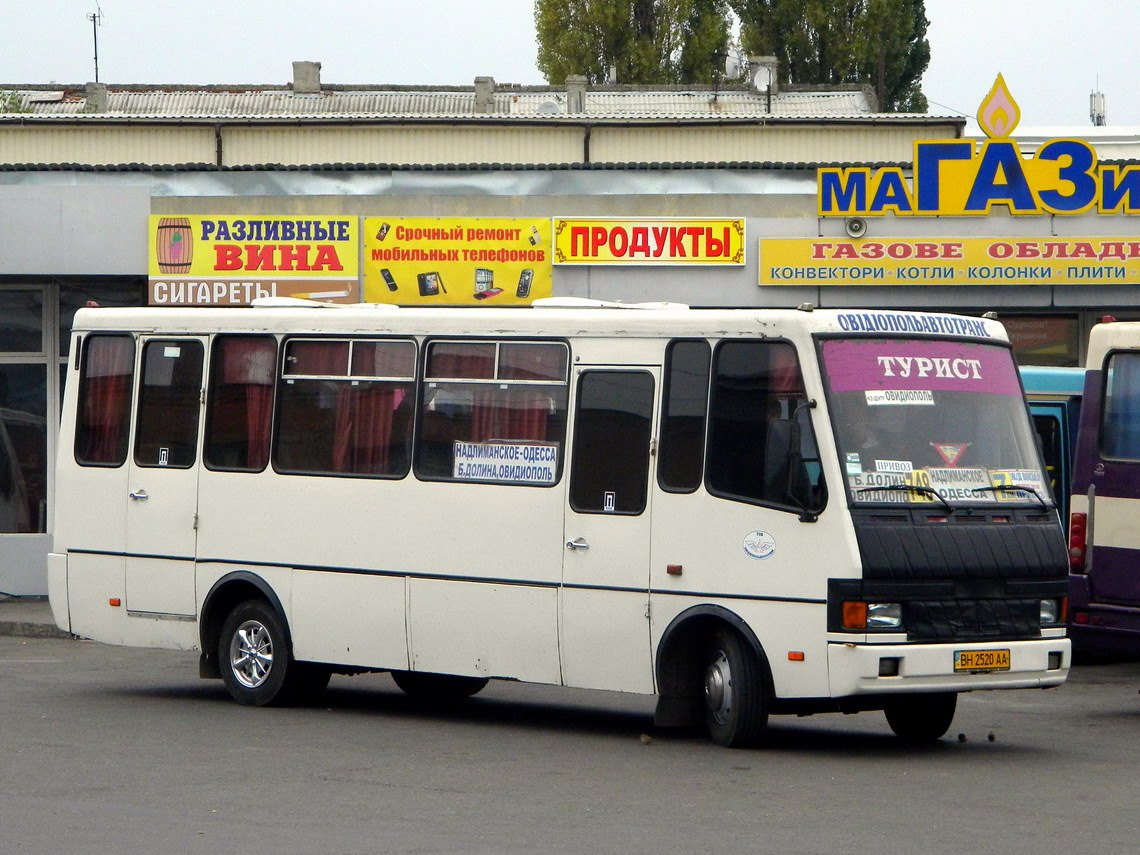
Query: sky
[{"x": 1051, "y": 53}]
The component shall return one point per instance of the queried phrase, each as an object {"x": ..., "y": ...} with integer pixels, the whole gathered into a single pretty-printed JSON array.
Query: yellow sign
[
  {"x": 229, "y": 261},
  {"x": 455, "y": 261},
  {"x": 950, "y": 261},
  {"x": 964, "y": 178},
  {"x": 653, "y": 241}
]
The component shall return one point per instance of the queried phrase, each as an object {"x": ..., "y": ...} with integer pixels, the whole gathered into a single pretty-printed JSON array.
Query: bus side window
[
  {"x": 239, "y": 410},
  {"x": 482, "y": 394},
  {"x": 343, "y": 407},
  {"x": 166, "y": 431},
  {"x": 684, "y": 414},
  {"x": 104, "y": 417},
  {"x": 756, "y": 385},
  {"x": 1120, "y": 420}
]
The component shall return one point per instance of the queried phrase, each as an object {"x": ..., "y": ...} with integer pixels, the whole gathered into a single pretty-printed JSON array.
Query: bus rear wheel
[
  {"x": 437, "y": 687},
  {"x": 921, "y": 718},
  {"x": 735, "y": 692},
  {"x": 257, "y": 664}
]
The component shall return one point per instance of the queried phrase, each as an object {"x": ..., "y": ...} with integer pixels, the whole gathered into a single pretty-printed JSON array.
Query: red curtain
[
  {"x": 249, "y": 367},
  {"x": 105, "y": 408},
  {"x": 517, "y": 414},
  {"x": 363, "y": 432}
]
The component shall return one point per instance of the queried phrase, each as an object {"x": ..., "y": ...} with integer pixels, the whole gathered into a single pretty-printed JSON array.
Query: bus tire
[
  {"x": 736, "y": 694},
  {"x": 437, "y": 687},
  {"x": 921, "y": 718},
  {"x": 257, "y": 662}
]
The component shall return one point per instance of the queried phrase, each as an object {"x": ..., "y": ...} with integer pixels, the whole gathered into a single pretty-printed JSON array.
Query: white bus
[{"x": 744, "y": 512}]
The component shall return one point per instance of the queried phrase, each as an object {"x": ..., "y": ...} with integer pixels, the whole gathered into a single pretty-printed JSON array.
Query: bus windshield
[{"x": 931, "y": 422}]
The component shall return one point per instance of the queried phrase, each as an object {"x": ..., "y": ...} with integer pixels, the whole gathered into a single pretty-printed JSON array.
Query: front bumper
[{"x": 854, "y": 668}]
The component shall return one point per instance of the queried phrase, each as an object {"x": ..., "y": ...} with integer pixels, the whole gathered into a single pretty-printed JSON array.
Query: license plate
[{"x": 981, "y": 660}]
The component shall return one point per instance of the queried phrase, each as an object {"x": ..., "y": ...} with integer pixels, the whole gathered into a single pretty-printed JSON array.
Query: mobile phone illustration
[
  {"x": 484, "y": 278},
  {"x": 388, "y": 279},
  {"x": 525, "y": 278},
  {"x": 430, "y": 284}
]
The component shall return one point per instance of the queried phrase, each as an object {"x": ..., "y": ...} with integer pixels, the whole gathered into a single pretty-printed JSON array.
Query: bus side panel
[
  {"x": 780, "y": 627},
  {"x": 484, "y": 630},
  {"x": 94, "y": 584},
  {"x": 605, "y": 640},
  {"x": 1104, "y": 607},
  {"x": 349, "y": 619},
  {"x": 754, "y": 552},
  {"x": 1114, "y": 543}
]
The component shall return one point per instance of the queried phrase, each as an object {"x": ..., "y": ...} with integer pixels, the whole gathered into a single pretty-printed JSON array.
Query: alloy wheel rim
[{"x": 251, "y": 654}]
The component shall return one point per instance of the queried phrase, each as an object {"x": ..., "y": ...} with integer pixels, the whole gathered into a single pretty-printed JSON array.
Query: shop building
[{"x": 485, "y": 194}]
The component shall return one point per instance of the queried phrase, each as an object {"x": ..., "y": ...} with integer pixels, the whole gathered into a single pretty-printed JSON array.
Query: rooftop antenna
[
  {"x": 96, "y": 19},
  {"x": 1096, "y": 106}
]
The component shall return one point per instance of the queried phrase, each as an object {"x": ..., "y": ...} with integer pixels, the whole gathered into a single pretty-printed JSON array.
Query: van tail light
[{"x": 1078, "y": 531}]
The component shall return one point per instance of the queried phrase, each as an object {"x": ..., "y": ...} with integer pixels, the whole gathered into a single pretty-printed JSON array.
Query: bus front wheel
[
  {"x": 257, "y": 664},
  {"x": 921, "y": 718},
  {"x": 735, "y": 692}
]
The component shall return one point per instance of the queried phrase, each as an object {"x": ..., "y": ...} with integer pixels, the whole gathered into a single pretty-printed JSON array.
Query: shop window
[
  {"x": 21, "y": 320},
  {"x": 493, "y": 412},
  {"x": 1044, "y": 339},
  {"x": 345, "y": 407},
  {"x": 104, "y": 415},
  {"x": 170, "y": 388},
  {"x": 239, "y": 415},
  {"x": 23, "y": 448}
]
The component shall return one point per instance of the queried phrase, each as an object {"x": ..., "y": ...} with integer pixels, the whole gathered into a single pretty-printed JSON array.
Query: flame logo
[{"x": 998, "y": 114}]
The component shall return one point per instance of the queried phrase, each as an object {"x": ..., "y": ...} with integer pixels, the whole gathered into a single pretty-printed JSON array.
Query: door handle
[
  {"x": 139, "y": 495},
  {"x": 577, "y": 543}
]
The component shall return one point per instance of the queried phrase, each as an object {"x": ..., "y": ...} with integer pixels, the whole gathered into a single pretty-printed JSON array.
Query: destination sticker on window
[
  {"x": 1008, "y": 480},
  {"x": 911, "y": 397},
  {"x": 893, "y": 466},
  {"x": 506, "y": 462}
]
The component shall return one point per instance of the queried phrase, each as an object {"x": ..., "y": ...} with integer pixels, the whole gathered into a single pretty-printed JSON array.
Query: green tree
[
  {"x": 10, "y": 102},
  {"x": 879, "y": 42},
  {"x": 645, "y": 41}
]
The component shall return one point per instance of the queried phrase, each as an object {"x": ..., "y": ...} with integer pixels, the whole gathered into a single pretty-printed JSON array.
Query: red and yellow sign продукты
[
  {"x": 448, "y": 261},
  {"x": 232, "y": 260},
  {"x": 949, "y": 261},
  {"x": 652, "y": 241}
]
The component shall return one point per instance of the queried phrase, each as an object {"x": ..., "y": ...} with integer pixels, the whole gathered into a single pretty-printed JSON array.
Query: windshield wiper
[
  {"x": 1017, "y": 488},
  {"x": 910, "y": 488}
]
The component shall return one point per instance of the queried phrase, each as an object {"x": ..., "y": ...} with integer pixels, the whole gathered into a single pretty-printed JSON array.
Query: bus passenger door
[
  {"x": 162, "y": 500},
  {"x": 605, "y": 635}
]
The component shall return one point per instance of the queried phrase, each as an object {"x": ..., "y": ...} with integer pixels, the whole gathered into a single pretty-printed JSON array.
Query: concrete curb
[
  {"x": 27, "y": 629},
  {"x": 28, "y": 617}
]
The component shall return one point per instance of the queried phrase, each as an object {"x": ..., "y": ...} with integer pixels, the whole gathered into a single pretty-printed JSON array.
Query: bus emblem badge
[{"x": 759, "y": 544}]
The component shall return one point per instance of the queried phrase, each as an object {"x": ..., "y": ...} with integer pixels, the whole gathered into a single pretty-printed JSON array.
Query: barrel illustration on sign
[{"x": 174, "y": 245}]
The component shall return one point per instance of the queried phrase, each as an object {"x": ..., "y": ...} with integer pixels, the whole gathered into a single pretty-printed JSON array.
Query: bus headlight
[
  {"x": 858, "y": 615},
  {"x": 884, "y": 615},
  {"x": 1053, "y": 612}
]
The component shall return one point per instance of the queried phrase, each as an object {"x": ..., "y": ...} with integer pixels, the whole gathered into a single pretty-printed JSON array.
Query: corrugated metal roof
[
  {"x": 750, "y": 166},
  {"x": 444, "y": 103}
]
